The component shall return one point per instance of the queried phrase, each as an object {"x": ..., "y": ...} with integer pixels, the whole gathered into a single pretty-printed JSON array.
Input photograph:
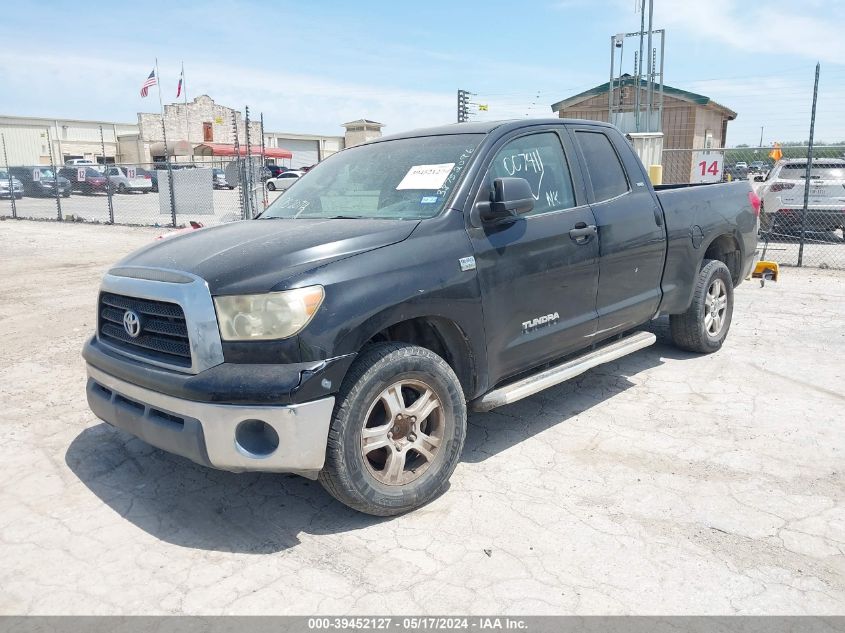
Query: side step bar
[{"x": 563, "y": 372}]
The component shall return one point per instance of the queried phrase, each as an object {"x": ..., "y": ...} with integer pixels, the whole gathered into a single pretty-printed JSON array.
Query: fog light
[{"x": 256, "y": 438}]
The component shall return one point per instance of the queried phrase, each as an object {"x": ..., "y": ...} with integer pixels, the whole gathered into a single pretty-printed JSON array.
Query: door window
[
  {"x": 602, "y": 163},
  {"x": 540, "y": 160}
]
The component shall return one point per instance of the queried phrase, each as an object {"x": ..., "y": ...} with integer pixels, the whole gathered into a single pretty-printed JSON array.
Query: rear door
[
  {"x": 632, "y": 238},
  {"x": 538, "y": 281}
]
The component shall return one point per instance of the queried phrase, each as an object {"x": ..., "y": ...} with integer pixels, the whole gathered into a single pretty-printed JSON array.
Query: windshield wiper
[{"x": 345, "y": 217}]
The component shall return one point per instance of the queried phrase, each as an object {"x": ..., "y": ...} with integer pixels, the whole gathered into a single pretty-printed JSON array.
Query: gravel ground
[{"x": 663, "y": 483}]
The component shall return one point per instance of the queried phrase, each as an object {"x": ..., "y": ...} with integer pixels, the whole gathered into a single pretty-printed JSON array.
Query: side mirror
[
  {"x": 760, "y": 178},
  {"x": 511, "y": 197}
]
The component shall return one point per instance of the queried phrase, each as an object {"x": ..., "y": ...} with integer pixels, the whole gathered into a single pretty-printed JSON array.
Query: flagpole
[
  {"x": 161, "y": 108},
  {"x": 185, "y": 93},
  {"x": 166, "y": 152}
]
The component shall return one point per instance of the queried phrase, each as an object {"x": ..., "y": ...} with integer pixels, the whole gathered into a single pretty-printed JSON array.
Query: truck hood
[{"x": 255, "y": 256}]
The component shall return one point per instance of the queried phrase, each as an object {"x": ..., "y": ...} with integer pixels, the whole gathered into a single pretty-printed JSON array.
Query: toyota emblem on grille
[{"x": 132, "y": 323}]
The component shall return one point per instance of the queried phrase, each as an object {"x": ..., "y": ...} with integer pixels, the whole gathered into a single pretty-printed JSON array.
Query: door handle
[
  {"x": 658, "y": 216},
  {"x": 582, "y": 233}
]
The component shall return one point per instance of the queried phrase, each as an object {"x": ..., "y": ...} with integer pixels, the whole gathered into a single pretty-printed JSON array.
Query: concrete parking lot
[{"x": 663, "y": 483}]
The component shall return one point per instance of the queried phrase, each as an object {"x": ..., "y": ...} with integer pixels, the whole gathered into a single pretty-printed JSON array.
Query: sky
[{"x": 311, "y": 66}]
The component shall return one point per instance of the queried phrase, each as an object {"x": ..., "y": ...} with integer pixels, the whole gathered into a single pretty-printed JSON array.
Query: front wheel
[
  {"x": 704, "y": 326},
  {"x": 397, "y": 432},
  {"x": 271, "y": 186}
]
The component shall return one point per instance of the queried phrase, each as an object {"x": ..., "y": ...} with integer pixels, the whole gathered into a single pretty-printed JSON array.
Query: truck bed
[{"x": 694, "y": 216}]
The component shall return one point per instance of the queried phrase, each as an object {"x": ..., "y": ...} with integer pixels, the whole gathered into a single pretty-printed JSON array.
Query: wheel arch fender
[{"x": 440, "y": 333}]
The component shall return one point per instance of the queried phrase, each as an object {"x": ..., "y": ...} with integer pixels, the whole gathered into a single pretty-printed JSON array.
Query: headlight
[{"x": 271, "y": 315}]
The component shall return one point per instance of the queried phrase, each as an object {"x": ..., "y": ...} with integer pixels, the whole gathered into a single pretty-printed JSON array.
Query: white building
[
  {"x": 197, "y": 131},
  {"x": 29, "y": 139}
]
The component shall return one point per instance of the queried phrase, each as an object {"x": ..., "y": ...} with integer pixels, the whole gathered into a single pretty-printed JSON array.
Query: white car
[
  {"x": 741, "y": 165},
  {"x": 782, "y": 194},
  {"x": 122, "y": 183},
  {"x": 284, "y": 180},
  {"x": 83, "y": 162}
]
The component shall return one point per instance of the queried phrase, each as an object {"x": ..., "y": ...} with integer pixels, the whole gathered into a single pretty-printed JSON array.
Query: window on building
[
  {"x": 606, "y": 172},
  {"x": 207, "y": 132}
]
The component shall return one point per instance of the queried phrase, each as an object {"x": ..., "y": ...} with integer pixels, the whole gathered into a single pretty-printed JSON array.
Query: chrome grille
[{"x": 164, "y": 333}]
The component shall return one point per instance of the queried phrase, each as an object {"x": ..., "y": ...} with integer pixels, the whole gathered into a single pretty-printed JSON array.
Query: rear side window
[
  {"x": 539, "y": 159},
  {"x": 602, "y": 162},
  {"x": 828, "y": 171}
]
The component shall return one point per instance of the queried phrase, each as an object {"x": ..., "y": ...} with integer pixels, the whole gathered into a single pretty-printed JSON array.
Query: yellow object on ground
[
  {"x": 766, "y": 271},
  {"x": 655, "y": 174}
]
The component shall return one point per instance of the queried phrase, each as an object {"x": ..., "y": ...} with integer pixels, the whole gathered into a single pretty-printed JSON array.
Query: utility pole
[
  {"x": 649, "y": 65},
  {"x": 463, "y": 106},
  {"x": 809, "y": 167},
  {"x": 638, "y": 69},
  {"x": 761, "y": 137}
]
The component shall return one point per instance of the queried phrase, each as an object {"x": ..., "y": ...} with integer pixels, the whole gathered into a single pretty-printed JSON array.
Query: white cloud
[
  {"x": 290, "y": 101},
  {"x": 807, "y": 29}
]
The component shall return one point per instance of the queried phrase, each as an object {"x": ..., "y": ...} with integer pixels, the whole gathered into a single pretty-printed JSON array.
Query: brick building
[
  {"x": 195, "y": 131},
  {"x": 690, "y": 121}
]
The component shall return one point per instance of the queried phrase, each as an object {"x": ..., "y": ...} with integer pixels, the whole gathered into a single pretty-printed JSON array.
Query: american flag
[{"x": 151, "y": 81}]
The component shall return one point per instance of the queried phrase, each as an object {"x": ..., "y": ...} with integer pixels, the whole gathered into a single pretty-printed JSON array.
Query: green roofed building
[{"x": 690, "y": 121}]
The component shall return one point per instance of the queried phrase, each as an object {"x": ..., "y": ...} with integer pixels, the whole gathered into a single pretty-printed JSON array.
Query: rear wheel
[
  {"x": 397, "y": 433},
  {"x": 121, "y": 188},
  {"x": 704, "y": 326}
]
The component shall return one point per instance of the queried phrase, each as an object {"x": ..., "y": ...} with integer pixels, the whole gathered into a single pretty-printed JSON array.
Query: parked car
[
  {"x": 84, "y": 162},
  {"x": 343, "y": 334},
  {"x": 93, "y": 181},
  {"x": 273, "y": 171},
  {"x": 782, "y": 194},
  {"x": 284, "y": 180},
  {"x": 219, "y": 180},
  {"x": 122, "y": 183},
  {"x": 7, "y": 189},
  {"x": 757, "y": 165},
  {"x": 741, "y": 164},
  {"x": 151, "y": 175},
  {"x": 41, "y": 181}
]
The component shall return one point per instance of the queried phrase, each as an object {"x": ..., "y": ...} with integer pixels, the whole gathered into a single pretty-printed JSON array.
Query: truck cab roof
[{"x": 485, "y": 127}]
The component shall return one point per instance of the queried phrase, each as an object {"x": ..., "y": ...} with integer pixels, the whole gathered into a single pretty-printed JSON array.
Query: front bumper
[{"x": 221, "y": 436}]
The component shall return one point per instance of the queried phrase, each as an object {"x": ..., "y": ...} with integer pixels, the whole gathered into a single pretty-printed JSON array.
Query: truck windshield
[{"x": 403, "y": 179}]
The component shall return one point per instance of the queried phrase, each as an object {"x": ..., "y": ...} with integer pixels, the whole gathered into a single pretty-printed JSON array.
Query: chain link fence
[
  {"x": 145, "y": 194},
  {"x": 225, "y": 190},
  {"x": 788, "y": 234}
]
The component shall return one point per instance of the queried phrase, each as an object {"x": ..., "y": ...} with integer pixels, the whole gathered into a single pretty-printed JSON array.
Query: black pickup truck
[{"x": 344, "y": 333}]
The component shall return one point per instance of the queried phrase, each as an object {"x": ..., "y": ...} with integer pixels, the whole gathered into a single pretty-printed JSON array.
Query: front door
[
  {"x": 632, "y": 237},
  {"x": 538, "y": 282}
]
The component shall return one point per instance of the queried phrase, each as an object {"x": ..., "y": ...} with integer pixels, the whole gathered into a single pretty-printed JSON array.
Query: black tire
[
  {"x": 271, "y": 186},
  {"x": 66, "y": 194},
  {"x": 692, "y": 331},
  {"x": 121, "y": 188},
  {"x": 348, "y": 475},
  {"x": 231, "y": 187}
]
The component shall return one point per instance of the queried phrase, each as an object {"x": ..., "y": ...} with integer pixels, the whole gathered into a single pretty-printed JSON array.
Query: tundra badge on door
[{"x": 533, "y": 324}]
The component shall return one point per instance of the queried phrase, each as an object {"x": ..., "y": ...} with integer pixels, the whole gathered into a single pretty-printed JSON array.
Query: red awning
[{"x": 222, "y": 149}]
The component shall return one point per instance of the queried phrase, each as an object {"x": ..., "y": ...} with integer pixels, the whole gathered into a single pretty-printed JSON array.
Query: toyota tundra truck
[{"x": 345, "y": 332}]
